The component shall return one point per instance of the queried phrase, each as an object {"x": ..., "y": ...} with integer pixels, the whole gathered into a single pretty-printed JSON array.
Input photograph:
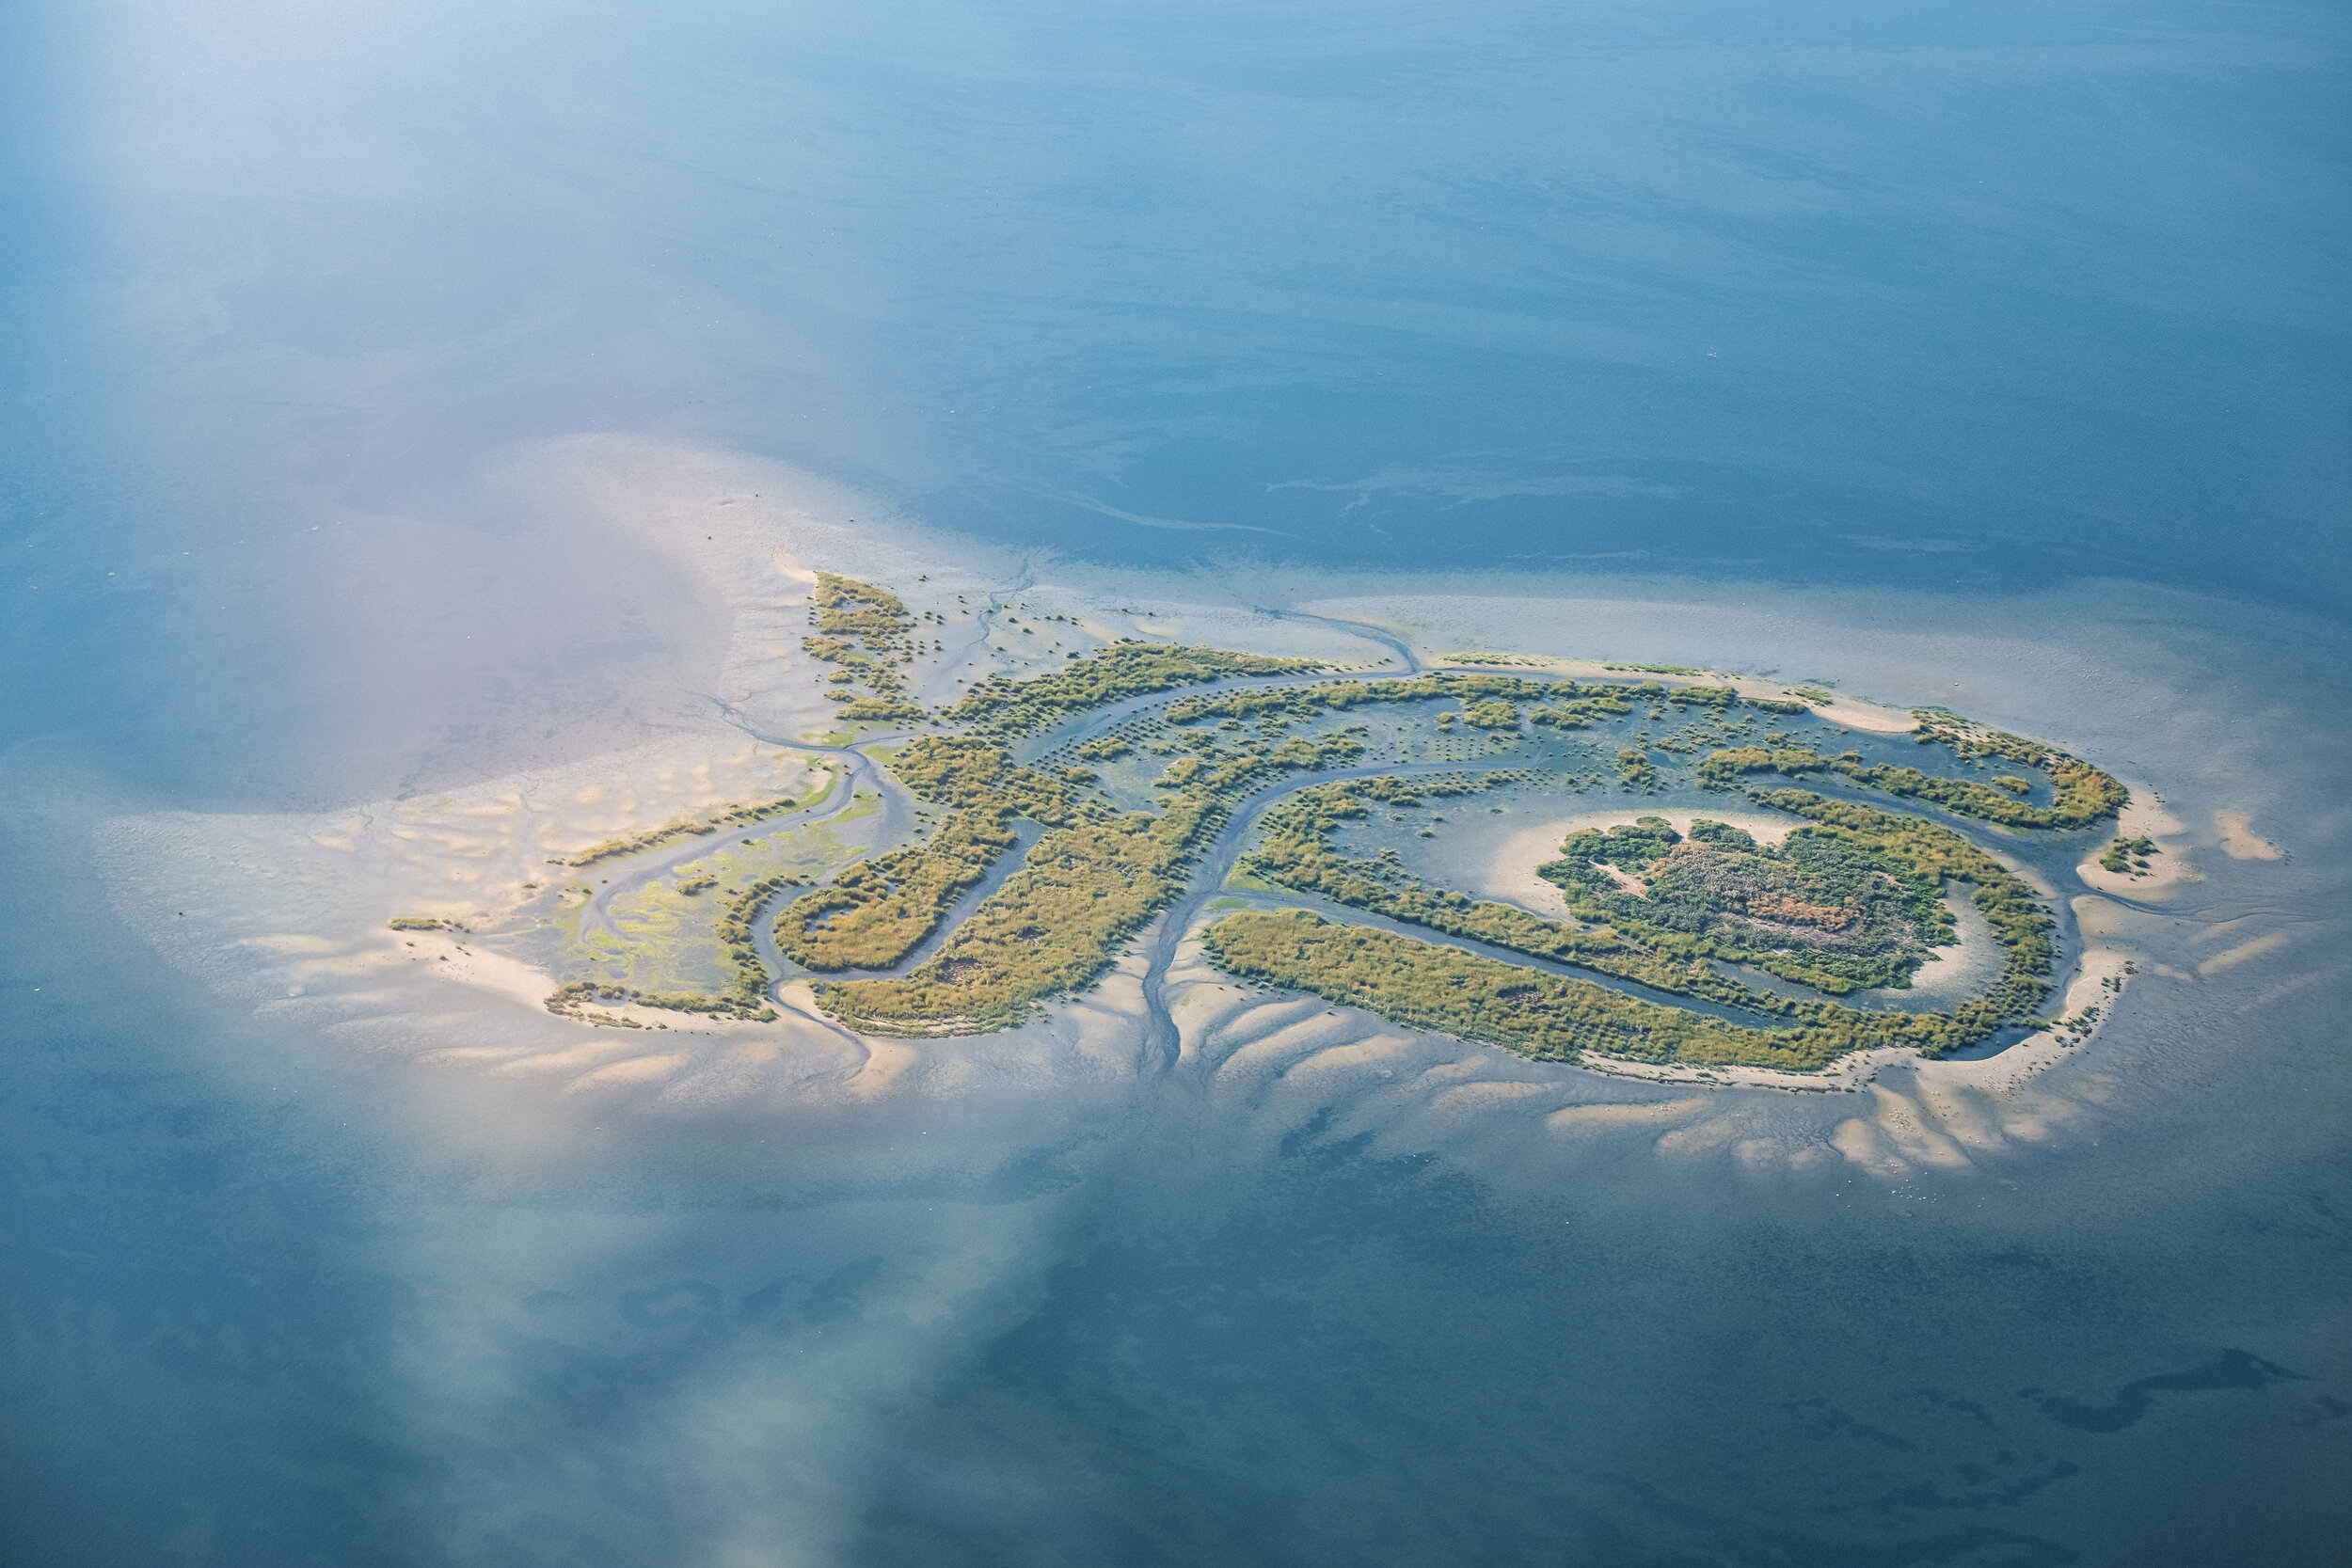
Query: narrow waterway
[{"x": 1216, "y": 862}]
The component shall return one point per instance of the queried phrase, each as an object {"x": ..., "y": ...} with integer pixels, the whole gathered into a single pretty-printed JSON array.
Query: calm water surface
[{"x": 1974, "y": 302}]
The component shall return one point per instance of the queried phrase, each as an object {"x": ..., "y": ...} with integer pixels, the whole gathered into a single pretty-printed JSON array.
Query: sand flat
[
  {"x": 1508, "y": 870},
  {"x": 2240, "y": 841}
]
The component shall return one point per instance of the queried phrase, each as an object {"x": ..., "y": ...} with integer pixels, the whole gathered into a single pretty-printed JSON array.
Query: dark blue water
[{"x": 1975, "y": 302}]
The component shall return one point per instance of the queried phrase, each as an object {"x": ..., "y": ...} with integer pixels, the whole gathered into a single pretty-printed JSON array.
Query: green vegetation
[
  {"x": 1577, "y": 707},
  {"x": 1091, "y": 883},
  {"x": 1052, "y": 928},
  {"x": 1487, "y": 659},
  {"x": 1636, "y": 772},
  {"x": 652, "y": 838},
  {"x": 1923, "y": 848},
  {"x": 569, "y": 1001},
  {"x": 2082, "y": 794},
  {"x": 964, "y": 772},
  {"x": 878, "y": 911},
  {"x": 1852, "y": 901},
  {"x": 1296, "y": 852},
  {"x": 1548, "y": 1017},
  {"x": 748, "y": 988},
  {"x": 882, "y": 710},
  {"x": 848, "y": 607},
  {"x": 866, "y": 630},
  {"x": 1824, "y": 911},
  {"x": 1124, "y": 670},
  {"x": 744, "y": 997},
  {"x": 1299, "y": 854},
  {"x": 1850, "y": 845},
  {"x": 1309, "y": 701},
  {"x": 834, "y": 651},
  {"x": 744, "y": 993},
  {"x": 1086, "y": 886},
  {"x": 424, "y": 923},
  {"x": 692, "y": 826}
]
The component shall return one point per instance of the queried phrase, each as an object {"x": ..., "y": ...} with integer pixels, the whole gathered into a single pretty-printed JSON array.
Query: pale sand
[
  {"x": 1853, "y": 713},
  {"x": 2101, "y": 962},
  {"x": 1509, "y": 872},
  {"x": 2231, "y": 957},
  {"x": 575, "y": 1059},
  {"x": 1968, "y": 966},
  {"x": 1468, "y": 1099},
  {"x": 2144, "y": 816},
  {"x": 636, "y": 1072},
  {"x": 2238, "y": 839},
  {"x": 1585, "y": 1118},
  {"x": 1895, "y": 1137},
  {"x": 2246, "y": 938},
  {"x": 469, "y": 856},
  {"x": 1282, "y": 1055},
  {"x": 466, "y": 966},
  {"x": 597, "y": 1056},
  {"x": 294, "y": 907},
  {"x": 757, "y": 532}
]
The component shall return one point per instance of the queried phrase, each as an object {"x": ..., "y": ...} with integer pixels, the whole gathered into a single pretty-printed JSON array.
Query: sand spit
[
  {"x": 2239, "y": 841},
  {"x": 1851, "y": 712}
]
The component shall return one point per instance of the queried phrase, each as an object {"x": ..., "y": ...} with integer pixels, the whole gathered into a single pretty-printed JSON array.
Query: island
[{"x": 1295, "y": 817}]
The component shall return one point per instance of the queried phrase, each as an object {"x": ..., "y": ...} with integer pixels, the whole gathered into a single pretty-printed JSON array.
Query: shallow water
[
  {"x": 1283, "y": 1308},
  {"x": 1941, "y": 352}
]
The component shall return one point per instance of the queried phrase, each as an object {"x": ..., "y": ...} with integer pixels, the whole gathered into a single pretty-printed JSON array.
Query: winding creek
[{"x": 860, "y": 778}]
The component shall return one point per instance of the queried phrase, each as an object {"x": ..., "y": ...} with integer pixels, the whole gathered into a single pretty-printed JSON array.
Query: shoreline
[{"x": 1851, "y": 712}]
